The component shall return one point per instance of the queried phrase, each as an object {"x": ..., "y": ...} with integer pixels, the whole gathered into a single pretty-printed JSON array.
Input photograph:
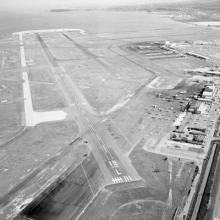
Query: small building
[
  {"x": 187, "y": 137},
  {"x": 4, "y": 101},
  {"x": 208, "y": 93},
  {"x": 194, "y": 107},
  {"x": 179, "y": 120},
  {"x": 196, "y": 129},
  {"x": 198, "y": 138},
  {"x": 204, "y": 108}
]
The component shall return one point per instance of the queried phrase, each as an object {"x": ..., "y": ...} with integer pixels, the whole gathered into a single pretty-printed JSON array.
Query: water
[{"x": 92, "y": 21}]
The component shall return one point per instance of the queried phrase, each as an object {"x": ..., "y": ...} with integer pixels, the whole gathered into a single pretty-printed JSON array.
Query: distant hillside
[
  {"x": 197, "y": 10},
  {"x": 204, "y": 10}
]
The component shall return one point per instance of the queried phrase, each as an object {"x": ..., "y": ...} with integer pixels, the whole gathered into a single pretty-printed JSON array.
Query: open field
[
  {"x": 10, "y": 121},
  {"x": 41, "y": 75},
  {"x": 11, "y": 75},
  {"x": 12, "y": 58},
  {"x": 11, "y": 105},
  {"x": 145, "y": 120},
  {"x": 148, "y": 200},
  {"x": 48, "y": 138},
  {"x": 10, "y": 90},
  {"x": 34, "y": 57},
  {"x": 81, "y": 185},
  {"x": 46, "y": 97}
]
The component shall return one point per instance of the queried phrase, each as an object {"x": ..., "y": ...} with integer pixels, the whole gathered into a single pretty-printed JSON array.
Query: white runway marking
[
  {"x": 28, "y": 107},
  {"x": 122, "y": 179},
  {"x": 31, "y": 117},
  {"x": 40, "y": 117},
  {"x": 119, "y": 173},
  {"x": 115, "y": 164},
  {"x": 81, "y": 31},
  {"x": 125, "y": 177},
  {"x": 117, "y": 180}
]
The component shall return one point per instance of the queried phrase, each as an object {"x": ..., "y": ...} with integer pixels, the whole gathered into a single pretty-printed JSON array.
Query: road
[
  {"x": 216, "y": 203},
  {"x": 195, "y": 204},
  {"x": 28, "y": 106},
  {"x": 114, "y": 170}
]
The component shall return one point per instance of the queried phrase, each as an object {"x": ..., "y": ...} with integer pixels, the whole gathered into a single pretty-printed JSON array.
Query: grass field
[
  {"x": 149, "y": 201},
  {"x": 70, "y": 196},
  {"x": 11, "y": 75},
  {"x": 32, "y": 149},
  {"x": 10, "y": 90},
  {"x": 145, "y": 120},
  {"x": 12, "y": 58},
  {"x": 101, "y": 88},
  {"x": 41, "y": 75},
  {"x": 10, "y": 120},
  {"x": 46, "y": 97},
  {"x": 34, "y": 57},
  {"x": 176, "y": 66},
  {"x": 11, "y": 106}
]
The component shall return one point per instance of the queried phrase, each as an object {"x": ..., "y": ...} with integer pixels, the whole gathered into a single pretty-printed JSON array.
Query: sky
[{"x": 34, "y": 4}]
